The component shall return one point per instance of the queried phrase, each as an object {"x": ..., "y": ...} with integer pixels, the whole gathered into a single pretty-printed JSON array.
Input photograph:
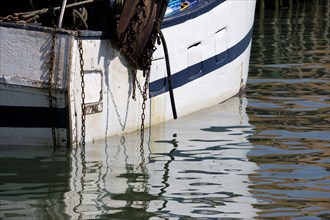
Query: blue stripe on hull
[
  {"x": 202, "y": 7},
  {"x": 207, "y": 66}
]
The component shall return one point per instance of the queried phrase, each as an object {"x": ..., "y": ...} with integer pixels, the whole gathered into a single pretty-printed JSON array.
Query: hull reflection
[{"x": 195, "y": 166}]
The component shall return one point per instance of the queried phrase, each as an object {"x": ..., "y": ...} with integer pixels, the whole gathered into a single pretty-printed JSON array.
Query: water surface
[
  {"x": 264, "y": 155},
  {"x": 288, "y": 93}
]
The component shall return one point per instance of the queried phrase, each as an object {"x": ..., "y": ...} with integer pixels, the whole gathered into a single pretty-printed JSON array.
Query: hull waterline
[{"x": 209, "y": 56}]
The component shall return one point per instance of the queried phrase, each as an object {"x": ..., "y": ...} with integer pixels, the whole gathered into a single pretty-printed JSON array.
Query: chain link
[
  {"x": 144, "y": 94},
  {"x": 129, "y": 41},
  {"x": 50, "y": 87},
  {"x": 16, "y": 17},
  {"x": 134, "y": 80},
  {"x": 82, "y": 74}
]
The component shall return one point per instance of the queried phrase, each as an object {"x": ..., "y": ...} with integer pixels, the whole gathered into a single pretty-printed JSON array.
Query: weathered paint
[{"x": 226, "y": 29}]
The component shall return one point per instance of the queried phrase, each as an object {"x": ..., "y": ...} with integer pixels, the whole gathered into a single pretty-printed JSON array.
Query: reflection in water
[
  {"x": 193, "y": 167},
  {"x": 32, "y": 183},
  {"x": 212, "y": 164},
  {"x": 289, "y": 106}
]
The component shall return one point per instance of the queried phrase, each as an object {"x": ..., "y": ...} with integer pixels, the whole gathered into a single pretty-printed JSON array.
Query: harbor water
[{"x": 262, "y": 155}]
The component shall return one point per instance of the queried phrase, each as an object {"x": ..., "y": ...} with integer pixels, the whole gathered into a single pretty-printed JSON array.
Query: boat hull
[{"x": 209, "y": 59}]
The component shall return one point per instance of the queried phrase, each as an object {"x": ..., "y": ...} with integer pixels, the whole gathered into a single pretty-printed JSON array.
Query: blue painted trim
[
  {"x": 202, "y": 7},
  {"x": 207, "y": 66}
]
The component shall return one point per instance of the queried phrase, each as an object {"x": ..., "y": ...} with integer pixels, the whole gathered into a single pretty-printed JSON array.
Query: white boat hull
[{"x": 209, "y": 57}]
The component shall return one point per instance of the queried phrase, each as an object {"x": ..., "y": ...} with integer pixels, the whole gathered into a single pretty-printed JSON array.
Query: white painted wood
[{"x": 24, "y": 71}]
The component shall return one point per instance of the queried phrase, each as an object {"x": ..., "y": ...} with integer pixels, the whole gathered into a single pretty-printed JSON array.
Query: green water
[{"x": 261, "y": 156}]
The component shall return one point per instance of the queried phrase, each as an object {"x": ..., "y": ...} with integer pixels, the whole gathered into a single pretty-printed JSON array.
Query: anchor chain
[
  {"x": 19, "y": 18},
  {"x": 144, "y": 94},
  {"x": 134, "y": 80},
  {"x": 145, "y": 64},
  {"x": 51, "y": 88},
  {"x": 82, "y": 74},
  {"x": 137, "y": 31}
]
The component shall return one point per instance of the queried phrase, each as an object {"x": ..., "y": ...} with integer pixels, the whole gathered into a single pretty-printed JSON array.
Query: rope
[
  {"x": 27, "y": 15},
  {"x": 82, "y": 17},
  {"x": 31, "y": 16}
]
